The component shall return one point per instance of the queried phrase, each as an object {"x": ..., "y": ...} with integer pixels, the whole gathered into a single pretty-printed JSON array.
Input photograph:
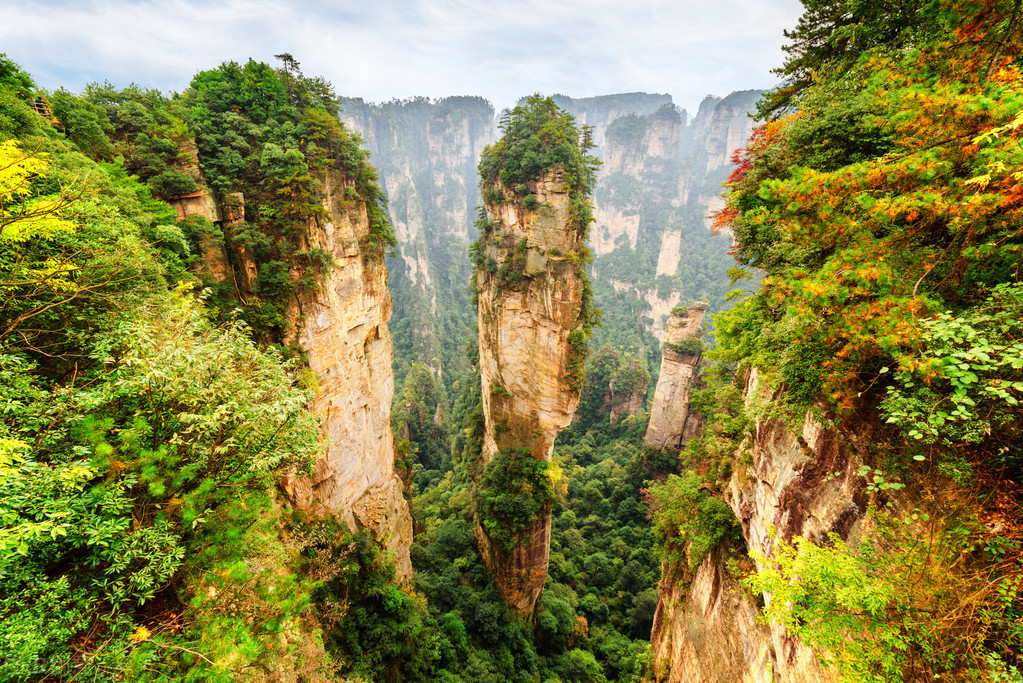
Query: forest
[{"x": 154, "y": 411}]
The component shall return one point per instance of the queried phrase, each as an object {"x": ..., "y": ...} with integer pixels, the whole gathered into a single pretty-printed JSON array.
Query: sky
[{"x": 385, "y": 49}]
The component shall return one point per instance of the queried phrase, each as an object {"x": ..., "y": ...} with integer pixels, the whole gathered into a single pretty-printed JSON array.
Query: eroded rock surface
[
  {"x": 342, "y": 328},
  {"x": 672, "y": 424},
  {"x": 798, "y": 481},
  {"x": 525, "y": 317}
]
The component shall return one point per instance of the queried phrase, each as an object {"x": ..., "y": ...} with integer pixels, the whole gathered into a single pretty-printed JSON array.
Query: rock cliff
[
  {"x": 671, "y": 424},
  {"x": 661, "y": 176},
  {"x": 341, "y": 327},
  {"x": 798, "y": 481},
  {"x": 530, "y": 305},
  {"x": 427, "y": 151}
]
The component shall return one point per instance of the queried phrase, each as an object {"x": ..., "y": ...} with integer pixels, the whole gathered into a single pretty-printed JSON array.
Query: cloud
[{"x": 399, "y": 48}]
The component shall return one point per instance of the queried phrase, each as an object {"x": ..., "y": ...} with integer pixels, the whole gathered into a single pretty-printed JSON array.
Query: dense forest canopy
[{"x": 140, "y": 443}]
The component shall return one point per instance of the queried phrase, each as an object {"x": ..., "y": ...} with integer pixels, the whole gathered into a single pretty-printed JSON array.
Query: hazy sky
[{"x": 382, "y": 49}]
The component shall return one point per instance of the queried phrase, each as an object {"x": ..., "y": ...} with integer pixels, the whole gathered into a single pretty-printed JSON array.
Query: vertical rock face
[
  {"x": 650, "y": 239},
  {"x": 342, "y": 328},
  {"x": 705, "y": 628},
  {"x": 427, "y": 151},
  {"x": 661, "y": 177},
  {"x": 528, "y": 307},
  {"x": 801, "y": 482},
  {"x": 671, "y": 424},
  {"x": 728, "y": 129},
  {"x": 600, "y": 112}
]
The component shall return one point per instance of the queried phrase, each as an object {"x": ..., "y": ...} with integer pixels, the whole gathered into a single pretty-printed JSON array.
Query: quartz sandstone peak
[
  {"x": 672, "y": 424},
  {"x": 529, "y": 305},
  {"x": 341, "y": 326}
]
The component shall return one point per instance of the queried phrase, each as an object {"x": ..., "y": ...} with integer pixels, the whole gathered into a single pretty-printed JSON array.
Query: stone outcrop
[
  {"x": 342, "y": 328},
  {"x": 671, "y": 422},
  {"x": 705, "y": 628},
  {"x": 529, "y": 304},
  {"x": 798, "y": 481},
  {"x": 655, "y": 189},
  {"x": 427, "y": 152}
]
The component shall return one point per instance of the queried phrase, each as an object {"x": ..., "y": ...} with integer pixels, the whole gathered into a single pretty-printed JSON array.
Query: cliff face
[
  {"x": 426, "y": 152},
  {"x": 671, "y": 425},
  {"x": 342, "y": 328},
  {"x": 527, "y": 309},
  {"x": 600, "y": 112},
  {"x": 661, "y": 176},
  {"x": 706, "y": 630},
  {"x": 800, "y": 482}
]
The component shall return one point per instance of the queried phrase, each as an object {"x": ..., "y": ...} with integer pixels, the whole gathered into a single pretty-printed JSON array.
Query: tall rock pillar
[
  {"x": 341, "y": 326},
  {"x": 533, "y": 317},
  {"x": 671, "y": 422},
  {"x": 530, "y": 314}
]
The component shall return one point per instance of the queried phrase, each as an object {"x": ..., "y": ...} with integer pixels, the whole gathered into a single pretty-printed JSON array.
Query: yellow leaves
[
  {"x": 869, "y": 273},
  {"x": 997, "y": 131},
  {"x": 141, "y": 633},
  {"x": 814, "y": 288},
  {"x": 17, "y": 167},
  {"x": 23, "y": 218}
]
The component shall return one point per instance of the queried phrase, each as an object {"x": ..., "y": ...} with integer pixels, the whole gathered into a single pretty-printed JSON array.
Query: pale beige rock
[
  {"x": 705, "y": 628},
  {"x": 670, "y": 254},
  {"x": 524, "y": 359},
  {"x": 803, "y": 481},
  {"x": 610, "y": 225},
  {"x": 671, "y": 424},
  {"x": 200, "y": 203},
  {"x": 729, "y": 129},
  {"x": 342, "y": 328}
]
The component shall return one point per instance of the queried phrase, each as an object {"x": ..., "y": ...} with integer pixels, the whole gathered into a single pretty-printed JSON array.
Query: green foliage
[
  {"x": 830, "y": 599},
  {"x": 967, "y": 385},
  {"x": 14, "y": 78},
  {"x": 85, "y": 124},
  {"x": 847, "y": 210},
  {"x": 139, "y": 444},
  {"x": 687, "y": 347},
  {"x": 611, "y": 379},
  {"x": 414, "y": 416},
  {"x": 627, "y": 131},
  {"x": 831, "y": 34},
  {"x": 514, "y": 492},
  {"x": 578, "y": 345},
  {"x": 691, "y": 520},
  {"x": 903, "y": 606},
  {"x": 538, "y": 136},
  {"x": 376, "y": 631}
]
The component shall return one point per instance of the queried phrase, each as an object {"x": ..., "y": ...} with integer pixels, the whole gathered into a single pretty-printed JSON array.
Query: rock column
[
  {"x": 530, "y": 316},
  {"x": 672, "y": 424}
]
